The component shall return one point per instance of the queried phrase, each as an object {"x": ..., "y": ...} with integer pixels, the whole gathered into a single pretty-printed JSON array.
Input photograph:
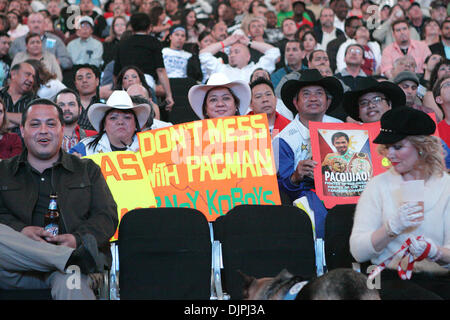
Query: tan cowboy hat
[
  {"x": 119, "y": 99},
  {"x": 240, "y": 88}
]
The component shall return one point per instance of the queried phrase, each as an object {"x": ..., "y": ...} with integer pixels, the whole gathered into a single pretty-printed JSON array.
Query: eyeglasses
[
  {"x": 375, "y": 101},
  {"x": 355, "y": 50}
]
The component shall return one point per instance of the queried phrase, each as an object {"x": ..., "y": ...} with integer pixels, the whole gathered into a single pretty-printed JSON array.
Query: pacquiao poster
[{"x": 347, "y": 160}]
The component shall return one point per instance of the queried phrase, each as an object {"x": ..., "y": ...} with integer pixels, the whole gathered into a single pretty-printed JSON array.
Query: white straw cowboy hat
[
  {"x": 119, "y": 99},
  {"x": 239, "y": 88}
]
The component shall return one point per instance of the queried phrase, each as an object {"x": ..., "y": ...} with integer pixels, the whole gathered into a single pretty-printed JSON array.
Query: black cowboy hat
[
  {"x": 368, "y": 84},
  {"x": 311, "y": 77},
  {"x": 398, "y": 123}
]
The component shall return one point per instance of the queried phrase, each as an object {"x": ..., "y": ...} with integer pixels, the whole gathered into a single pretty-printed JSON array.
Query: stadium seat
[
  {"x": 261, "y": 240},
  {"x": 338, "y": 228},
  {"x": 164, "y": 254},
  {"x": 181, "y": 111}
]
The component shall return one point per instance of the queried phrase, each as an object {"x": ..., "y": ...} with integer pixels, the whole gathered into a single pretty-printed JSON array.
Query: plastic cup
[{"x": 413, "y": 191}]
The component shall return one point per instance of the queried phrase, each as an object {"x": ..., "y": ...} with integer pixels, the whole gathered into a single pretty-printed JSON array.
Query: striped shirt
[{"x": 20, "y": 104}]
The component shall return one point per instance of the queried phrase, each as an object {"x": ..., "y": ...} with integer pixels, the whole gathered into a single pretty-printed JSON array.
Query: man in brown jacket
[{"x": 88, "y": 212}]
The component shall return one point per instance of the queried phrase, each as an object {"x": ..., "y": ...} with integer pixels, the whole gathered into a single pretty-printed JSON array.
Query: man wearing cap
[
  {"x": 438, "y": 11},
  {"x": 310, "y": 97},
  {"x": 50, "y": 42},
  {"x": 85, "y": 49},
  {"x": 409, "y": 82},
  {"x": 415, "y": 17}
]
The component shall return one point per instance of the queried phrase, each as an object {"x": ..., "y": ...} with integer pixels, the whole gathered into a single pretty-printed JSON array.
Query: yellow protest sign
[{"x": 127, "y": 179}]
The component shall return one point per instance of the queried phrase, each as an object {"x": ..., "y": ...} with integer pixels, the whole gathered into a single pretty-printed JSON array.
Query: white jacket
[
  {"x": 212, "y": 65},
  {"x": 381, "y": 200},
  {"x": 103, "y": 146}
]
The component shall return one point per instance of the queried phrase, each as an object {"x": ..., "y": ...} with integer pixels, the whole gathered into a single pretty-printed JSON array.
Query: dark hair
[
  {"x": 236, "y": 99},
  {"x": 338, "y": 284},
  {"x": 94, "y": 69},
  {"x": 354, "y": 45},
  {"x": 45, "y": 102},
  {"x": 183, "y": 21},
  {"x": 42, "y": 74},
  {"x": 4, "y": 125},
  {"x": 447, "y": 20},
  {"x": 140, "y": 22},
  {"x": 32, "y": 35},
  {"x": 17, "y": 14},
  {"x": 93, "y": 144},
  {"x": 154, "y": 13},
  {"x": 434, "y": 72},
  {"x": 338, "y": 135},
  {"x": 436, "y": 89},
  {"x": 349, "y": 20},
  {"x": 425, "y": 24},
  {"x": 203, "y": 34},
  {"x": 311, "y": 55},
  {"x": 398, "y": 22},
  {"x": 293, "y": 41},
  {"x": 304, "y": 36},
  {"x": 119, "y": 79},
  {"x": 5, "y": 20},
  {"x": 142, "y": 100},
  {"x": 262, "y": 80},
  {"x": 68, "y": 90},
  {"x": 259, "y": 69}
]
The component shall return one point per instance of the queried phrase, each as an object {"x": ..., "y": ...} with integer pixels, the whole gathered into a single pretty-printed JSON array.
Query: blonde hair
[
  {"x": 431, "y": 154},
  {"x": 248, "y": 19}
]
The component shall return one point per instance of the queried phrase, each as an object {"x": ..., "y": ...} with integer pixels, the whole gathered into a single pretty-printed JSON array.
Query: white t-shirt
[{"x": 175, "y": 62}]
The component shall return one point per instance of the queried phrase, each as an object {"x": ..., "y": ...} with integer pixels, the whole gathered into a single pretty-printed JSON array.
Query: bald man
[
  {"x": 139, "y": 90},
  {"x": 239, "y": 66}
]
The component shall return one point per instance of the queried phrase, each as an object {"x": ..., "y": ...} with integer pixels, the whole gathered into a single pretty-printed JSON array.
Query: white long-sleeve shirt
[{"x": 214, "y": 65}]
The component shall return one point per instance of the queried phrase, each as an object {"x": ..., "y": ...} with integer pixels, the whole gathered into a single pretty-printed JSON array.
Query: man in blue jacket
[{"x": 310, "y": 97}]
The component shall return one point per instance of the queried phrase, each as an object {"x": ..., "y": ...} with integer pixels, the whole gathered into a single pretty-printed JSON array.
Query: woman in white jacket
[
  {"x": 117, "y": 123},
  {"x": 384, "y": 221}
]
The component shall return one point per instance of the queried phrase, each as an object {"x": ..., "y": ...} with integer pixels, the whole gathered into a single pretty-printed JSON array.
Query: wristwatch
[{"x": 389, "y": 231}]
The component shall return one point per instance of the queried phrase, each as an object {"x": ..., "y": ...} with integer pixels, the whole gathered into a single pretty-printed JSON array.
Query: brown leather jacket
[{"x": 85, "y": 202}]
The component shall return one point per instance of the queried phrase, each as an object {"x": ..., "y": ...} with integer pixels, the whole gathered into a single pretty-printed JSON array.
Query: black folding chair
[
  {"x": 338, "y": 228},
  {"x": 164, "y": 253},
  {"x": 261, "y": 240}
]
